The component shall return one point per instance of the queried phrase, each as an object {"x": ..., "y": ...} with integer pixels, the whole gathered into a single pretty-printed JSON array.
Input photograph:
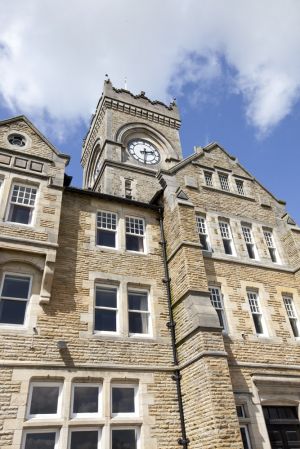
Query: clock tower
[{"x": 130, "y": 139}]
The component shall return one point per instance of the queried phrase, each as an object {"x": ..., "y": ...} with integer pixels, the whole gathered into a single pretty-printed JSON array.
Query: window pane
[
  {"x": 272, "y": 252},
  {"x": 106, "y": 297},
  {"x": 251, "y": 252},
  {"x": 294, "y": 326},
  {"x": 124, "y": 439},
  {"x": 138, "y": 323},
  {"x": 15, "y": 287},
  {"x": 138, "y": 301},
  {"x": 122, "y": 400},
  {"x": 244, "y": 438},
  {"x": 20, "y": 214},
  {"x": 40, "y": 440},
  {"x": 85, "y": 399},
  {"x": 203, "y": 241},
  {"x": 12, "y": 311},
  {"x": 240, "y": 411},
  {"x": 106, "y": 238},
  {"x": 84, "y": 439},
  {"x": 105, "y": 320},
  {"x": 258, "y": 324},
  {"x": 227, "y": 246},
  {"x": 220, "y": 316},
  {"x": 134, "y": 243},
  {"x": 44, "y": 400}
]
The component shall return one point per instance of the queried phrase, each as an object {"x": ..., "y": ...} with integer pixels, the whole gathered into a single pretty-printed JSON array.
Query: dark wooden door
[{"x": 283, "y": 427}]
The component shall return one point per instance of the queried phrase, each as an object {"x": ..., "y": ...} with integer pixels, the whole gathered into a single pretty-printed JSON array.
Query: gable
[{"x": 35, "y": 143}]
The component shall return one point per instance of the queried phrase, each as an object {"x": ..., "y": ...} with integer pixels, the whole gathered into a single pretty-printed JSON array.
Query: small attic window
[{"x": 17, "y": 139}]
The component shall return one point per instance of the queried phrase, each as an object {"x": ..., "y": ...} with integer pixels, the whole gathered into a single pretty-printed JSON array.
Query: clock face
[{"x": 144, "y": 152}]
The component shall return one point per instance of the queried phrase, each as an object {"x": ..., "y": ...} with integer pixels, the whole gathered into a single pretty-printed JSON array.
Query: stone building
[{"x": 155, "y": 308}]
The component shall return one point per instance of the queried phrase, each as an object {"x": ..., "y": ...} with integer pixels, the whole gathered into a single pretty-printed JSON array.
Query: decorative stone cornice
[{"x": 127, "y": 108}]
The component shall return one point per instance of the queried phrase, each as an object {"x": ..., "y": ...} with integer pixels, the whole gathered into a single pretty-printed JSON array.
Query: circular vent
[{"x": 17, "y": 139}]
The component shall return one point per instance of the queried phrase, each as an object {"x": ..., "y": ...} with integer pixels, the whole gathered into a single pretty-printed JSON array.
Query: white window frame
[
  {"x": 110, "y": 287},
  {"x": 257, "y": 312},
  {"x": 59, "y": 400},
  {"x": 87, "y": 415},
  {"x": 143, "y": 236},
  {"x": 209, "y": 180},
  {"x": 291, "y": 312},
  {"x": 249, "y": 240},
  {"x": 225, "y": 186},
  {"x": 32, "y": 208},
  {"x": 41, "y": 430},
  {"x": 127, "y": 427},
  {"x": 245, "y": 426},
  {"x": 91, "y": 428},
  {"x": 240, "y": 186},
  {"x": 220, "y": 307},
  {"x": 227, "y": 236},
  {"x": 107, "y": 229},
  {"x": 149, "y": 314},
  {"x": 136, "y": 401},
  {"x": 202, "y": 229},
  {"x": 7, "y": 273},
  {"x": 269, "y": 239}
]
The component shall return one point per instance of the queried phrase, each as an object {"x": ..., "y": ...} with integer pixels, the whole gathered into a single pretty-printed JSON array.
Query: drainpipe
[{"x": 183, "y": 441}]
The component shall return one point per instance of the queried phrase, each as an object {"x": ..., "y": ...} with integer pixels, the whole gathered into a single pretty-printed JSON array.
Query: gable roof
[
  {"x": 36, "y": 131},
  {"x": 211, "y": 146}
]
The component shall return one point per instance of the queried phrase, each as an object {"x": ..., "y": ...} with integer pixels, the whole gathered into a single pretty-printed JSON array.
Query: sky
[{"x": 232, "y": 65}]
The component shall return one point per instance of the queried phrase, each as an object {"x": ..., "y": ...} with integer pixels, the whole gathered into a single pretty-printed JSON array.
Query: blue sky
[{"x": 233, "y": 66}]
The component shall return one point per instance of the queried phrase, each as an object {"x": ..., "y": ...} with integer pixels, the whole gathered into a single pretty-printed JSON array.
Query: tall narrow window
[
  {"x": 138, "y": 312},
  {"x": 14, "y": 297},
  {"x": 217, "y": 302},
  {"x": 240, "y": 186},
  {"x": 106, "y": 309},
  {"x": 224, "y": 183},
  {"x": 241, "y": 413},
  {"x": 128, "y": 188},
  {"x": 256, "y": 312},
  {"x": 106, "y": 229},
  {"x": 135, "y": 233},
  {"x": 271, "y": 246},
  {"x": 22, "y": 202},
  {"x": 291, "y": 313},
  {"x": 208, "y": 176},
  {"x": 251, "y": 248},
  {"x": 202, "y": 231},
  {"x": 226, "y": 237}
]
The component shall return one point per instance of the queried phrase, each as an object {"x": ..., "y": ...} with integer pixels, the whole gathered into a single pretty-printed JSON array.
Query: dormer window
[
  {"x": 224, "y": 182},
  {"x": 240, "y": 187},
  {"x": 17, "y": 140},
  {"x": 208, "y": 178}
]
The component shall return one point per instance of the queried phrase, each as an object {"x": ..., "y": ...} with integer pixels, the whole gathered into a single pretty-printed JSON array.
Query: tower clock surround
[{"x": 143, "y": 151}]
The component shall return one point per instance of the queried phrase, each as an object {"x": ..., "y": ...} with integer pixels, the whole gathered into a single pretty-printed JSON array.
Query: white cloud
[{"x": 54, "y": 55}]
